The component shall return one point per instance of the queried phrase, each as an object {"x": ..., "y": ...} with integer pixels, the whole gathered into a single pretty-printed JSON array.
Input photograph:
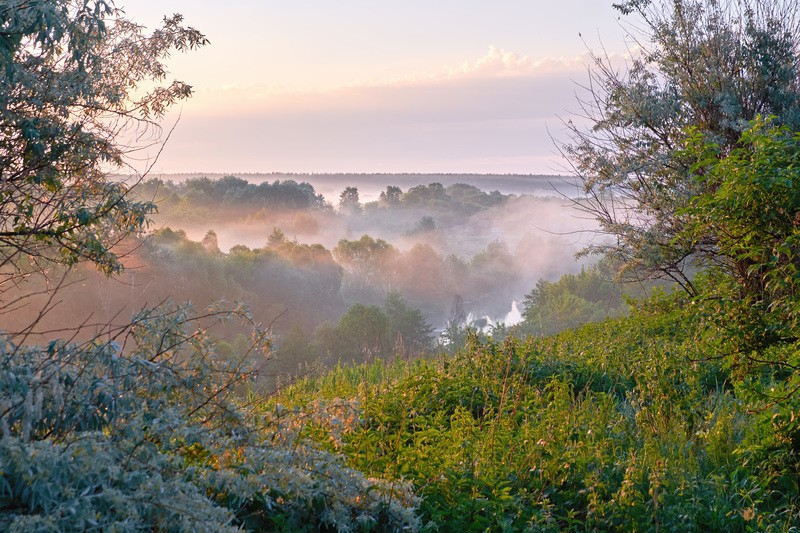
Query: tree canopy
[
  {"x": 707, "y": 64},
  {"x": 81, "y": 83}
]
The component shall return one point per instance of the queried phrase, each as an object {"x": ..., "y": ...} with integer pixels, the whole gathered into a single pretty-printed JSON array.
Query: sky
[{"x": 451, "y": 86}]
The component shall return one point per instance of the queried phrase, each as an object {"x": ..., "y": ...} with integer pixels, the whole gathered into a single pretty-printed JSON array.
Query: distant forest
[{"x": 413, "y": 269}]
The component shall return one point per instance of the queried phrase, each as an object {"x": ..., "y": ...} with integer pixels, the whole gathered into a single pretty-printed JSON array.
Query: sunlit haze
[{"x": 363, "y": 86}]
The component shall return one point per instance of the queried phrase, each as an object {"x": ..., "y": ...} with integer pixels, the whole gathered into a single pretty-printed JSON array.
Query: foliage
[
  {"x": 612, "y": 426},
  {"x": 424, "y": 225},
  {"x": 364, "y": 254},
  {"x": 411, "y": 332},
  {"x": 301, "y": 280},
  {"x": 458, "y": 198},
  {"x": 348, "y": 200},
  {"x": 572, "y": 300},
  {"x": 76, "y": 75},
  {"x": 370, "y": 264},
  {"x": 391, "y": 196},
  {"x": 229, "y": 191},
  {"x": 140, "y": 427},
  {"x": 455, "y": 331},
  {"x": 639, "y": 423},
  {"x": 745, "y": 228},
  {"x": 145, "y": 433},
  {"x": 707, "y": 64},
  {"x": 365, "y": 332}
]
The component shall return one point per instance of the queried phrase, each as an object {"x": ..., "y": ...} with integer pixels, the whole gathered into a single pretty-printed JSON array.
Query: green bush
[{"x": 148, "y": 434}]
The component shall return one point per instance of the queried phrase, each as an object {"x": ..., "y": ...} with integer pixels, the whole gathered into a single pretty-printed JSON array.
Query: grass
[{"x": 615, "y": 425}]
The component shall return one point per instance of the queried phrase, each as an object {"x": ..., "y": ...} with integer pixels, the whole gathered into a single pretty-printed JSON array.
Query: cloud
[
  {"x": 492, "y": 114},
  {"x": 497, "y": 62},
  {"x": 443, "y": 89}
]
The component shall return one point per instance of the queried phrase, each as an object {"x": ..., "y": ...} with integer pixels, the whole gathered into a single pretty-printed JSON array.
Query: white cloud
[{"x": 496, "y": 62}]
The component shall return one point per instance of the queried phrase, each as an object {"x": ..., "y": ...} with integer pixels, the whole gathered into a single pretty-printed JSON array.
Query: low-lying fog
[
  {"x": 287, "y": 246},
  {"x": 537, "y": 226}
]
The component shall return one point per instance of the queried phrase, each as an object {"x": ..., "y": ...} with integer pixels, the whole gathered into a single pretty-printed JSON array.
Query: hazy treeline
[
  {"x": 306, "y": 268},
  {"x": 457, "y": 238},
  {"x": 331, "y": 184}
]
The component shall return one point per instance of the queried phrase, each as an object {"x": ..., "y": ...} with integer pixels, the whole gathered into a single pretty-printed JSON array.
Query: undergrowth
[{"x": 624, "y": 424}]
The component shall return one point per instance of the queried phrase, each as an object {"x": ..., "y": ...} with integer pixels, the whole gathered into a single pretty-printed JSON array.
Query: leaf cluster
[{"x": 77, "y": 77}]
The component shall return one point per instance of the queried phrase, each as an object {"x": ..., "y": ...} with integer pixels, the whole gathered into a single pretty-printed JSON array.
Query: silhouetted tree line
[{"x": 233, "y": 191}]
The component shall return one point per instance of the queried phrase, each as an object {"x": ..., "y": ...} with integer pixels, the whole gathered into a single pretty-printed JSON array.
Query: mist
[
  {"x": 300, "y": 256},
  {"x": 534, "y": 232}
]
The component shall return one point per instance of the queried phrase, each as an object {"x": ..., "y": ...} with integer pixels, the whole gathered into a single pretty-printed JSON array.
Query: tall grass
[{"x": 611, "y": 426}]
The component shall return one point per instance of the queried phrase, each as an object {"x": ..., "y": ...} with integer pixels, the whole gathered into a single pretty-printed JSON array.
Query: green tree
[
  {"x": 746, "y": 229},
  {"x": 365, "y": 331},
  {"x": 574, "y": 299},
  {"x": 709, "y": 64},
  {"x": 409, "y": 327},
  {"x": 76, "y": 75}
]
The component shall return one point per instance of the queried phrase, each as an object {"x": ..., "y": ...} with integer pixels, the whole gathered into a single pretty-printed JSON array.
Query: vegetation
[
  {"x": 574, "y": 299},
  {"x": 709, "y": 65},
  {"x": 366, "y": 332},
  {"x": 615, "y": 425},
  {"x": 140, "y": 427},
  {"x": 591, "y": 295},
  {"x": 61, "y": 122},
  {"x": 681, "y": 415}
]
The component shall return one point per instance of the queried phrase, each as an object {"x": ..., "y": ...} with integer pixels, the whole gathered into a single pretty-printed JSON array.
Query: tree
[
  {"x": 211, "y": 242},
  {"x": 276, "y": 238},
  {"x": 349, "y": 202},
  {"x": 370, "y": 264},
  {"x": 747, "y": 229},
  {"x": 455, "y": 331},
  {"x": 425, "y": 225},
  {"x": 572, "y": 300},
  {"x": 713, "y": 65},
  {"x": 365, "y": 330},
  {"x": 75, "y": 77},
  {"x": 433, "y": 195},
  {"x": 392, "y": 196},
  {"x": 409, "y": 327}
]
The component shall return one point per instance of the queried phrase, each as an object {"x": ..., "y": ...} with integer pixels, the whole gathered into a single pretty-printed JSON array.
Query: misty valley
[
  {"x": 612, "y": 349},
  {"x": 352, "y": 277}
]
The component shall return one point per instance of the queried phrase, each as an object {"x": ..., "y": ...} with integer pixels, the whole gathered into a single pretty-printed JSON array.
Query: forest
[
  {"x": 226, "y": 353},
  {"x": 411, "y": 263}
]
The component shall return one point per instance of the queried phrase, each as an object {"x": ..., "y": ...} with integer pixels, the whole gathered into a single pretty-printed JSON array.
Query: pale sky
[{"x": 378, "y": 86}]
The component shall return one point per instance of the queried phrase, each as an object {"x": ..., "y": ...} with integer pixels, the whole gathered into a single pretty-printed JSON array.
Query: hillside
[{"x": 622, "y": 424}]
